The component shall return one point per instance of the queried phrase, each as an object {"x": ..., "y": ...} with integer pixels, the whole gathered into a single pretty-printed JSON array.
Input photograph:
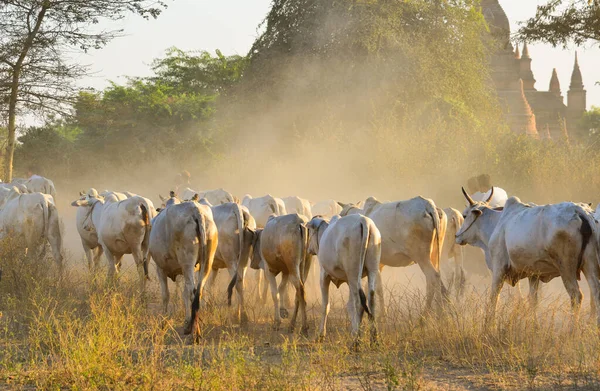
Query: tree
[
  {"x": 590, "y": 122},
  {"x": 37, "y": 37},
  {"x": 559, "y": 22},
  {"x": 197, "y": 72},
  {"x": 415, "y": 60},
  {"x": 168, "y": 114}
]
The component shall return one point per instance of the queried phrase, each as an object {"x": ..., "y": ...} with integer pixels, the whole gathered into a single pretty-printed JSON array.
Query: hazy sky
[{"x": 231, "y": 26}]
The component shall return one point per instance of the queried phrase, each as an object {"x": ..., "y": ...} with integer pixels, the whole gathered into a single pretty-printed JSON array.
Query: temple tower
[
  {"x": 555, "y": 85},
  {"x": 576, "y": 101},
  {"x": 525, "y": 69}
]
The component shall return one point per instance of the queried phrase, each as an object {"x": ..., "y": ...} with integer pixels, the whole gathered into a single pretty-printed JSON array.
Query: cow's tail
[
  {"x": 364, "y": 244},
  {"x": 303, "y": 253},
  {"x": 230, "y": 288},
  {"x": 432, "y": 211},
  {"x": 240, "y": 222},
  {"x": 200, "y": 222},
  {"x": 589, "y": 234},
  {"x": 46, "y": 211},
  {"x": 146, "y": 241}
]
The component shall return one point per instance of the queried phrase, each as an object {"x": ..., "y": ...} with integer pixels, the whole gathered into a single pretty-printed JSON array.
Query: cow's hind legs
[
  {"x": 300, "y": 303},
  {"x": 284, "y": 296},
  {"x": 591, "y": 270},
  {"x": 569, "y": 278},
  {"x": 270, "y": 277},
  {"x": 325, "y": 282},
  {"x": 434, "y": 283}
]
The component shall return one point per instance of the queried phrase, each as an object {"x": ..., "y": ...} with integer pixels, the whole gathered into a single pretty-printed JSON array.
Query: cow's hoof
[{"x": 284, "y": 313}]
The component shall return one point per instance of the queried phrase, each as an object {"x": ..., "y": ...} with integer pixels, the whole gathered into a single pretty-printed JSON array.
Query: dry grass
[{"x": 80, "y": 333}]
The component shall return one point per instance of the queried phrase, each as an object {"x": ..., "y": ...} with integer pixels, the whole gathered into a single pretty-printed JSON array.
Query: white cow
[
  {"x": 120, "y": 196},
  {"x": 298, "y": 205},
  {"x": 6, "y": 188},
  {"x": 348, "y": 248},
  {"x": 39, "y": 184},
  {"x": 327, "y": 209},
  {"x": 122, "y": 227},
  {"x": 412, "y": 231},
  {"x": 535, "y": 242},
  {"x": 19, "y": 183},
  {"x": 85, "y": 227},
  {"x": 496, "y": 195},
  {"x": 184, "y": 236},
  {"x": 451, "y": 250},
  {"x": 261, "y": 209},
  {"x": 282, "y": 247},
  {"x": 32, "y": 218},
  {"x": 214, "y": 197},
  {"x": 236, "y": 234},
  {"x": 5, "y": 191},
  {"x": 172, "y": 200}
]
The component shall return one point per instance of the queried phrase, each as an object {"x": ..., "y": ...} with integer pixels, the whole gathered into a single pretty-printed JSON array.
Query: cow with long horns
[{"x": 535, "y": 242}]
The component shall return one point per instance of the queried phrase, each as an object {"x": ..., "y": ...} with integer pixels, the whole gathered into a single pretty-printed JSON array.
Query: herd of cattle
[{"x": 198, "y": 233}]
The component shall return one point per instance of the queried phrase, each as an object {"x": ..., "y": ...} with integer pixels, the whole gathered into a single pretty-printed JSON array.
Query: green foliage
[
  {"x": 147, "y": 117},
  {"x": 38, "y": 37},
  {"x": 559, "y": 22},
  {"x": 591, "y": 122},
  {"x": 400, "y": 89},
  {"x": 51, "y": 146},
  {"x": 415, "y": 60},
  {"x": 197, "y": 72},
  {"x": 166, "y": 116}
]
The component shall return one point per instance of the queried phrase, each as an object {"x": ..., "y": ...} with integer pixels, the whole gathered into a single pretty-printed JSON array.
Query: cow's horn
[
  {"x": 491, "y": 195},
  {"x": 467, "y": 196}
]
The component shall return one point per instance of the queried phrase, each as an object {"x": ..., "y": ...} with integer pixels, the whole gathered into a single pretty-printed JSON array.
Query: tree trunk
[
  {"x": 12, "y": 116},
  {"x": 14, "y": 89}
]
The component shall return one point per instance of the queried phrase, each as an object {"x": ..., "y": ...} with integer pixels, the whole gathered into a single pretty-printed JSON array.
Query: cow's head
[
  {"x": 165, "y": 202},
  {"x": 87, "y": 199},
  {"x": 315, "y": 226},
  {"x": 346, "y": 208},
  {"x": 469, "y": 231}
]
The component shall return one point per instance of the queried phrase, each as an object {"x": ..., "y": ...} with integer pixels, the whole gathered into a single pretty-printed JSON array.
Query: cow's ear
[
  {"x": 81, "y": 193},
  {"x": 477, "y": 212}
]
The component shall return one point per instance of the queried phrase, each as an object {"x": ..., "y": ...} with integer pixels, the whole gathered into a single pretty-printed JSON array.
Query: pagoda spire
[
  {"x": 576, "y": 102},
  {"x": 517, "y": 54},
  {"x": 576, "y": 78},
  {"x": 525, "y": 72},
  {"x": 525, "y": 51},
  {"x": 554, "y": 83}
]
